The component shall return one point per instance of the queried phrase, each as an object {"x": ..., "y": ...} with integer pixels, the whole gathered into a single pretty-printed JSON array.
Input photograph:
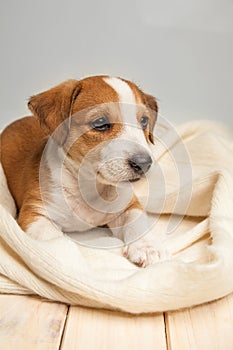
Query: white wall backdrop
[{"x": 179, "y": 50}]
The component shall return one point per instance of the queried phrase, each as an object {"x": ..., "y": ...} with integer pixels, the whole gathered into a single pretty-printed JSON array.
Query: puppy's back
[{"x": 22, "y": 144}]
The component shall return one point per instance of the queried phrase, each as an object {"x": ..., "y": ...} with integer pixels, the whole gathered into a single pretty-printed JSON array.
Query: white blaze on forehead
[
  {"x": 127, "y": 99},
  {"x": 131, "y": 130}
]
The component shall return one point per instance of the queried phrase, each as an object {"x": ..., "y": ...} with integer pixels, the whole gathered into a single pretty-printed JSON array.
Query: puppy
[{"x": 69, "y": 166}]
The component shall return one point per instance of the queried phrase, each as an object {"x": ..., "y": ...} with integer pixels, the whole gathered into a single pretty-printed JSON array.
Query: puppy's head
[{"x": 107, "y": 120}]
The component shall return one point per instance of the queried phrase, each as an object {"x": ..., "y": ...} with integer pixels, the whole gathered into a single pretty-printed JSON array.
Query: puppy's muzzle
[{"x": 140, "y": 163}]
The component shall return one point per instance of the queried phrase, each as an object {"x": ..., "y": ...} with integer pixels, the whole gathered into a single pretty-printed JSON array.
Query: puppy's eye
[
  {"x": 144, "y": 122},
  {"x": 101, "y": 124}
]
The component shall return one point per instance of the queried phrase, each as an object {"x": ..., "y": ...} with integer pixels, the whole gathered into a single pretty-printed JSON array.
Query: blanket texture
[{"x": 189, "y": 198}]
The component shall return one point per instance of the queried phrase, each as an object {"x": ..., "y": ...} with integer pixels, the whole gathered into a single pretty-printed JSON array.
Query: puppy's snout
[{"x": 140, "y": 163}]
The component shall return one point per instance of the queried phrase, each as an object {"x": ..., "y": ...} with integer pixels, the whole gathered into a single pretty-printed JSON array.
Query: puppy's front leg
[
  {"x": 132, "y": 227},
  {"x": 37, "y": 226},
  {"x": 43, "y": 229}
]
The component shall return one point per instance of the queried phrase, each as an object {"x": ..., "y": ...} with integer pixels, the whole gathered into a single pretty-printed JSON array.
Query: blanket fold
[{"x": 189, "y": 198}]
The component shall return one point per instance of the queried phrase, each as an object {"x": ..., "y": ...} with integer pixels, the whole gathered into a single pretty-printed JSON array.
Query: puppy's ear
[
  {"x": 53, "y": 107},
  {"x": 151, "y": 103}
]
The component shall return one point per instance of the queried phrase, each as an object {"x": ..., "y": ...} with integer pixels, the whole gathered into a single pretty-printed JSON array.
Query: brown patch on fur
[
  {"x": 91, "y": 139},
  {"x": 28, "y": 213},
  {"x": 94, "y": 91},
  {"x": 75, "y": 99},
  {"x": 152, "y": 106},
  {"x": 150, "y": 103},
  {"x": 83, "y": 138},
  {"x": 53, "y": 107},
  {"x": 22, "y": 144}
]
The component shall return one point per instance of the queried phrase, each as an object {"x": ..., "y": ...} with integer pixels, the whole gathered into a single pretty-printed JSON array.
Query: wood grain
[
  {"x": 88, "y": 329},
  {"x": 208, "y": 327},
  {"x": 28, "y": 323}
]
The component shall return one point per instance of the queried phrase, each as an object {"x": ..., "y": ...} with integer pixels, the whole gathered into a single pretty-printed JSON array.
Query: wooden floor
[{"x": 35, "y": 324}]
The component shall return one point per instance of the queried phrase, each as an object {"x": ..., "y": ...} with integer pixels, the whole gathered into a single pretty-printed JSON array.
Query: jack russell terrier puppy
[{"x": 69, "y": 165}]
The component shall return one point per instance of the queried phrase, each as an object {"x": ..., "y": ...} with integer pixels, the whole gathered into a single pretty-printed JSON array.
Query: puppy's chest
[
  {"x": 71, "y": 205},
  {"x": 68, "y": 210},
  {"x": 59, "y": 210}
]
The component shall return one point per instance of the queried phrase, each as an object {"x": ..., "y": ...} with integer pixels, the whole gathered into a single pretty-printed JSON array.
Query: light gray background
[{"x": 179, "y": 50}]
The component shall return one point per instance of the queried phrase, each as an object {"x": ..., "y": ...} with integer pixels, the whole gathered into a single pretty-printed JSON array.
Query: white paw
[{"x": 141, "y": 252}]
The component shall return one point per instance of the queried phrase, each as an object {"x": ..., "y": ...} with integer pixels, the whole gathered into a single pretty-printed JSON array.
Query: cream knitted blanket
[{"x": 193, "y": 180}]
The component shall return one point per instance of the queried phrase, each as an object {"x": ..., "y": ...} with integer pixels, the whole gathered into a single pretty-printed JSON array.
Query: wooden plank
[
  {"x": 103, "y": 330},
  {"x": 30, "y": 323},
  {"x": 208, "y": 327}
]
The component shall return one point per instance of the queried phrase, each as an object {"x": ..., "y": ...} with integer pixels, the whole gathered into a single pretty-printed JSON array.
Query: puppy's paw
[{"x": 141, "y": 252}]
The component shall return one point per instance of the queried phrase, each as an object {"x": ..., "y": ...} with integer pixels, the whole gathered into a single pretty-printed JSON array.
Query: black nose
[{"x": 140, "y": 163}]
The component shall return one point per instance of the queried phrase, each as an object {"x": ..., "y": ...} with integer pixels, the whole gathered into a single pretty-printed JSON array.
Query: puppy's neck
[{"x": 78, "y": 180}]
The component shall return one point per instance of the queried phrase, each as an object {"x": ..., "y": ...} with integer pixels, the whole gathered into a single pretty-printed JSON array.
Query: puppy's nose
[{"x": 140, "y": 163}]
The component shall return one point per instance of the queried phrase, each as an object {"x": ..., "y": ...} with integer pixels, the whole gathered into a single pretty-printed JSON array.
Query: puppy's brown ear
[
  {"x": 53, "y": 107},
  {"x": 151, "y": 103}
]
